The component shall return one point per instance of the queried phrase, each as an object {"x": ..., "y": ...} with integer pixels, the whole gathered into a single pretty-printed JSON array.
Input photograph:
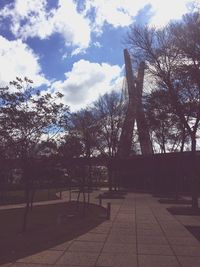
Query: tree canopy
[{"x": 172, "y": 59}]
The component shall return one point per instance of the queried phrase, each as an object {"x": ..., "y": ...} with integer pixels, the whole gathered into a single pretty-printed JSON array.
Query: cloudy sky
[{"x": 74, "y": 46}]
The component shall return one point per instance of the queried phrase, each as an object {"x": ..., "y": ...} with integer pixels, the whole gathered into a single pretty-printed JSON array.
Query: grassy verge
[{"x": 17, "y": 196}]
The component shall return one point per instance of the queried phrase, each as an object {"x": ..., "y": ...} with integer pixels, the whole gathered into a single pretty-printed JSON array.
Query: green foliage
[
  {"x": 164, "y": 124},
  {"x": 26, "y": 116},
  {"x": 84, "y": 125},
  {"x": 109, "y": 110},
  {"x": 71, "y": 146}
]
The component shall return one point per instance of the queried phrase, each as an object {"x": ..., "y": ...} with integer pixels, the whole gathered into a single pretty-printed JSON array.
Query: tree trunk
[
  {"x": 195, "y": 183},
  {"x": 193, "y": 141},
  {"x": 183, "y": 140},
  {"x": 25, "y": 218},
  {"x": 110, "y": 179},
  {"x": 27, "y": 190},
  {"x": 32, "y": 198}
]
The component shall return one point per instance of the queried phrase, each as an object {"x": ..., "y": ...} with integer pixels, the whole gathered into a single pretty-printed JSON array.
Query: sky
[{"x": 74, "y": 47}]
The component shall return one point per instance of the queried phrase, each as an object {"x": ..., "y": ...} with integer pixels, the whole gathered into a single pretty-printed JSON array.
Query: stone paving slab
[
  {"x": 82, "y": 246},
  {"x": 118, "y": 238},
  {"x": 158, "y": 261},
  {"x": 189, "y": 261},
  {"x": 152, "y": 239},
  {"x": 62, "y": 246},
  {"x": 124, "y": 225},
  {"x": 148, "y": 226},
  {"x": 123, "y": 231},
  {"x": 149, "y": 232},
  {"x": 100, "y": 237},
  {"x": 140, "y": 233},
  {"x": 45, "y": 257},
  {"x": 152, "y": 249},
  {"x": 187, "y": 250},
  {"x": 119, "y": 248},
  {"x": 117, "y": 260},
  {"x": 78, "y": 258}
]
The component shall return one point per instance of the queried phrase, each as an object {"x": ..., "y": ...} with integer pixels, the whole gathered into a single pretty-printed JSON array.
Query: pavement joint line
[
  {"x": 95, "y": 264},
  {"x": 29, "y": 263},
  {"x": 137, "y": 251},
  {"x": 137, "y": 208},
  {"x": 179, "y": 221},
  {"x": 165, "y": 235},
  {"x": 67, "y": 250},
  {"x": 64, "y": 251}
]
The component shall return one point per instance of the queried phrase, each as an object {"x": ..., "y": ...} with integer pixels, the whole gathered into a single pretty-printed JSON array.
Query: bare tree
[
  {"x": 166, "y": 130},
  {"x": 109, "y": 110},
  {"x": 172, "y": 58},
  {"x": 84, "y": 125}
]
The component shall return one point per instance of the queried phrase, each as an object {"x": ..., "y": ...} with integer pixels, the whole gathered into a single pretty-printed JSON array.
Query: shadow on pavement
[{"x": 48, "y": 226}]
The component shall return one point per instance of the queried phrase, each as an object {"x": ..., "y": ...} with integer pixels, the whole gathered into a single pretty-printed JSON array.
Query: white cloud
[
  {"x": 115, "y": 12},
  {"x": 86, "y": 81},
  {"x": 31, "y": 18},
  {"x": 65, "y": 55},
  {"x": 120, "y": 13},
  {"x": 72, "y": 25},
  {"x": 97, "y": 44},
  {"x": 167, "y": 10},
  {"x": 77, "y": 51},
  {"x": 17, "y": 59}
]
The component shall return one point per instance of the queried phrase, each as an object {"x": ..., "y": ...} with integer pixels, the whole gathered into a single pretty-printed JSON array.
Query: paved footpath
[{"x": 141, "y": 233}]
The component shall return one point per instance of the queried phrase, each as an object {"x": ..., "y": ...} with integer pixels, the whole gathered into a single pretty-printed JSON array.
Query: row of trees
[
  {"x": 172, "y": 56},
  {"x": 172, "y": 103},
  {"x": 31, "y": 126},
  {"x": 31, "y": 122}
]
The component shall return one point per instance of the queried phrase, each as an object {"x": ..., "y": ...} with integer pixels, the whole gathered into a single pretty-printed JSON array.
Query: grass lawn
[
  {"x": 188, "y": 211},
  {"x": 17, "y": 196},
  {"x": 48, "y": 226},
  {"x": 194, "y": 230},
  {"x": 174, "y": 201}
]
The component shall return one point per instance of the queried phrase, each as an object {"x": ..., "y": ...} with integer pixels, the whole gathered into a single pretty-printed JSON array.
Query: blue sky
[{"x": 74, "y": 46}]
